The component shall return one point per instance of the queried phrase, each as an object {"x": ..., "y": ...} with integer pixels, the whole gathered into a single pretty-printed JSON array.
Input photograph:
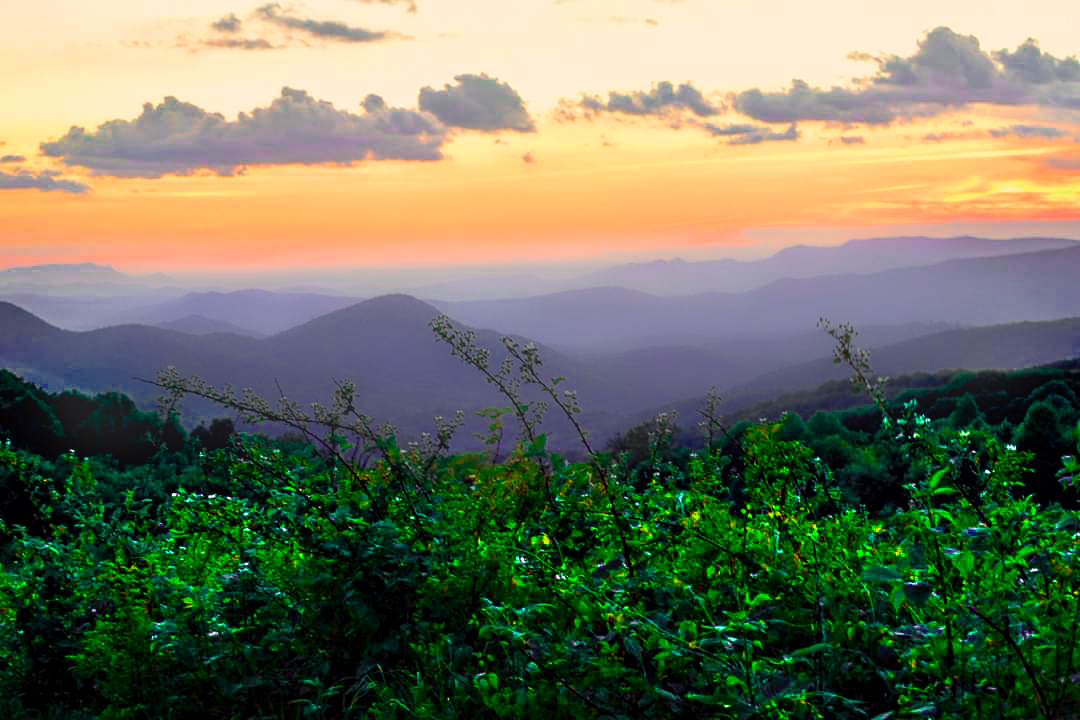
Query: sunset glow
[{"x": 476, "y": 132}]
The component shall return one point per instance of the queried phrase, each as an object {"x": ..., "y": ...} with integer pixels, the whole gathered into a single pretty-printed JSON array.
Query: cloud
[
  {"x": 940, "y": 137},
  {"x": 373, "y": 103},
  {"x": 662, "y": 98},
  {"x": 228, "y": 24},
  {"x": 410, "y": 3},
  {"x": 324, "y": 29},
  {"x": 751, "y": 134},
  {"x": 766, "y": 135},
  {"x": 1028, "y": 131},
  {"x": 477, "y": 102},
  {"x": 727, "y": 130},
  {"x": 12, "y": 158},
  {"x": 179, "y": 138},
  {"x": 528, "y": 158},
  {"x": 1035, "y": 67},
  {"x": 849, "y": 140},
  {"x": 947, "y": 72},
  {"x": 241, "y": 44},
  {"x": 46, "y": 181}
]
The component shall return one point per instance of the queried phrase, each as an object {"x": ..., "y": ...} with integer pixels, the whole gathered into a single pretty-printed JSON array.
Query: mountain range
[
  {"x": 406, "y": 376},
  {"x": 971, "y": 291},
  {"x": 919, "y": 306},
  {"x": 87, "y": 296}
]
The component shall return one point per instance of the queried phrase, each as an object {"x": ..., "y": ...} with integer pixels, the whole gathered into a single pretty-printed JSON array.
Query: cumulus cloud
[
  {"x": 228, "y": 24},
  {"x": 1028, "y": 131},
  {"x": 1035, "y": 67},
  {"x": 323, "y": 29},
  {"x": 179, "y": 138},
  {"x": 373, "y": 103},
  {"x": 12, "y": 158},
  {"x": 751, "y": 134},
  {"x": 663, "y": 97},
  {"x": 948, "y": 71},
  {"x": 766, "y": 135},
  {"x": 477, "y": 102},
  {"x": 729, "y": 130},
  {"x": 46, "y": 181}
]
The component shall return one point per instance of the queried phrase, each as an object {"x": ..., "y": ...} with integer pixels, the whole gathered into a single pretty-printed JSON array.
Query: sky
[{"x": 330, "y": 134}]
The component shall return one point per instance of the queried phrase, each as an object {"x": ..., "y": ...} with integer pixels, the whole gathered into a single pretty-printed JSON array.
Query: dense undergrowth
[{"x": 353, "y": 578}]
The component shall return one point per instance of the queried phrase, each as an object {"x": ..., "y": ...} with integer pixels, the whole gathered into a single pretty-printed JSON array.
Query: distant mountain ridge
[
  {"x": 681, "y": 277},
  {"x": 406, "y": 376},
  {"x": 254, "y": 311},
  {"x": 970, "y": 291},
  {"x": 202, "y": 325}
]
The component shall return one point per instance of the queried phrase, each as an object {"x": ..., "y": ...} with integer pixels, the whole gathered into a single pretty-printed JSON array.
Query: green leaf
[
  {"x": 917, "y": 593},
  {"x": 880, "y": 573},
  {"x": 965, "y": 562},
  {"x": 810, "y": 650},
  {"x": 705, "y": 699}
]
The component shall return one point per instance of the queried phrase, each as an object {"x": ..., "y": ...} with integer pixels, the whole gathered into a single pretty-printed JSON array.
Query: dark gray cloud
[
  {"x": 1036, "y": 67},
  {"x": 477, "y": 102},
  {"x": 662, "y": 98},
  {"x": 751, "y": 134},
  {"x": 802, "y": 102},
  {"x": 1028, "y": 131},
  {"x": 948, "y": 71},
  {"x": 766, "y": 135},
  {"x": 410, "y": 3},
  {"x": 179, "y": 138},
  {"x": 228, "y": 24},
  {"x": 46, "y": 181},
  {"x": 324, "y": 29},
  {"x": 728, "y": 130},
  {"x": 230, "y": 43},
  {"x": 12, "y": 158},
  {"x": 373, "y": 103}
]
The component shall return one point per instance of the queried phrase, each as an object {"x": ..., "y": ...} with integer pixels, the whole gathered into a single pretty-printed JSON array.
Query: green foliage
[{"x": 357, "y": 578}]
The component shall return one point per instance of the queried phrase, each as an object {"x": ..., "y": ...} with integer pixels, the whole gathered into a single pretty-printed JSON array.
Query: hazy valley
[{"x": 939, "y": 304}]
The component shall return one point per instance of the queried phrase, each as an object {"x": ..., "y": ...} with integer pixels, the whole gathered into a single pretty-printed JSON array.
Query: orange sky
[{"x": 939, "y": 132}]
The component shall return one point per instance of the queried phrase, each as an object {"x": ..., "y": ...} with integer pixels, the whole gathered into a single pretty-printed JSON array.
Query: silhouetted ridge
[
  {"x": 18, "y": 327},
  {"x": 383, "y": 316}
]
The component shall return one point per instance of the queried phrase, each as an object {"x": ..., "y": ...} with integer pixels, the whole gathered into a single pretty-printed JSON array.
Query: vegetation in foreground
[{"x": 228, "y": 576}]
